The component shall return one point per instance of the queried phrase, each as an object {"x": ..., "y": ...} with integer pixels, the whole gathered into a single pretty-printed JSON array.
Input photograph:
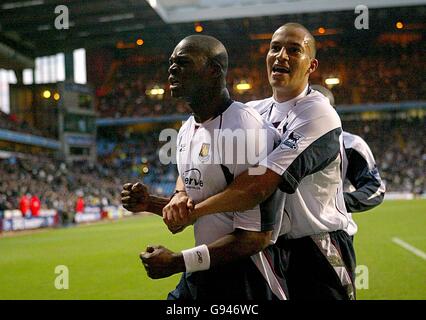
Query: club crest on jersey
[
  {"x": 291, "y": 142},
  {"x": 204, "y": 152}
]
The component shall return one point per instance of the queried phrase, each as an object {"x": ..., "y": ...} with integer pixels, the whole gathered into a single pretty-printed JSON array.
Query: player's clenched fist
[
  {"x": 135, "y": 197},
  {"x": 160, "y": 262},
  {"x": 178, "y": 211}
]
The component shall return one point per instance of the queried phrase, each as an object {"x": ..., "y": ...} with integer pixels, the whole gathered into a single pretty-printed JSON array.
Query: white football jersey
[
  {"x": 309, "y": 159},
  {"x": 207, "y": 167}
]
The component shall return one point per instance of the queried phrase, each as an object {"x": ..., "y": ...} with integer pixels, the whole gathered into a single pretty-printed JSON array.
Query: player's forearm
[
  {"x": 227, "y": 201},
  {"x": 156, "y": 204},
  {"x": 243, "y": 194},
  {"x": 359, "y": 200},
  {"x": 237, "y": 245},
  {"x": 369, "y": 192},
  {"x": 179, "y": 184}
]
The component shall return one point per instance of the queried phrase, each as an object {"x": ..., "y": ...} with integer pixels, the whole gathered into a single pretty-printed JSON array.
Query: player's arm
[
  {"x": 243, "y": 194},
  {"x": 160, "y": 262},
  {"x": 136, "y": 198},
  {"x": 286, "y": 166},
  {"x": 363, "y": 174}
]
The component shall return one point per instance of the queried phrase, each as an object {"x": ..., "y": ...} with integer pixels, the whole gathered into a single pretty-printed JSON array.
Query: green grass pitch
[{"x": 103, "y": 261}]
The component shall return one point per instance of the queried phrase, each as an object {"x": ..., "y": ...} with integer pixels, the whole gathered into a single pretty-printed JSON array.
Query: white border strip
[
  {"x": 237, "y": 9},
  {"x": 409, "y": 247}
]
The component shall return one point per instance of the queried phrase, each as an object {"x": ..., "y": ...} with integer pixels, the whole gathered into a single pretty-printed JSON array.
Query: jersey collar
[{"x": 286, "y": 105}]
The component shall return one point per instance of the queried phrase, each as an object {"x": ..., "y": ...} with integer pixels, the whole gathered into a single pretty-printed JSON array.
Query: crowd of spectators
[
  {"x": 380, "y": 76},
  {"x": 57, "y": 185},
  {"x": 399, "y": 149},
  {"x": 140, "y": 157},
  {"x": 130, "y": 97},
  {"x": 375, "y": 79}
]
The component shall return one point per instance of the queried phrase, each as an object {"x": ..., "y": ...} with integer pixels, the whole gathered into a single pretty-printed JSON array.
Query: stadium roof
[{"x": 27, "y": 27}]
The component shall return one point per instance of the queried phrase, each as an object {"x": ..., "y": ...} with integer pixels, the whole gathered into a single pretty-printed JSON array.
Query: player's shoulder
[
  {"x": 186, "y": 125},
  {"x": 260, "y": 105},
  {"x": 242, "y": 115},
  {"x": 316, "y": 107},
  {"x": 318, "y": 103},
  {"x": 353, "y": 141}
]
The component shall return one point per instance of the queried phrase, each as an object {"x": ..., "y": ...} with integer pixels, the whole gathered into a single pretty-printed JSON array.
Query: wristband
[
  {"x": 176, "y": 192},
  {"x": 197, "y": 258}
]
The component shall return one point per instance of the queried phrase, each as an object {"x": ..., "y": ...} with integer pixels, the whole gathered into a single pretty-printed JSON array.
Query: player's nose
[{"x": 282, "y": 54}]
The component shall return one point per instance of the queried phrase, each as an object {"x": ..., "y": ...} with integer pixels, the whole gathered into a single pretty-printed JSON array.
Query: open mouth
[{"x": 280, "y": 69}]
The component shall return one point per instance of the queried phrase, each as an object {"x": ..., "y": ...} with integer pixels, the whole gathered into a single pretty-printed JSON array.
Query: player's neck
[
  {"x": 210, "y": 106},
  {"x": 286, "y": 95}
]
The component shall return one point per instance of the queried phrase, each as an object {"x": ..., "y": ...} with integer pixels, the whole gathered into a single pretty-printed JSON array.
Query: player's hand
[
  {"x": 178, "y": 211},
  {"x": 175, "y": 228},
  {"x": 160, "y": 262},
  {"x": 135, "y": 197}
]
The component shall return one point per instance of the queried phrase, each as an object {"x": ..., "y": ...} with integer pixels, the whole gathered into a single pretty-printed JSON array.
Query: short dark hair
[
  {"x": 213, "y": 49},
  {"x": 309, "y": 34}
]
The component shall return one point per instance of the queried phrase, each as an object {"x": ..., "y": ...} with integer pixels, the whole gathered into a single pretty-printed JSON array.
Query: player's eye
[
  {"x": 275, "y": 48},
  {"x": 294, "y": 50},
  {"x": 182, "y": 62}
]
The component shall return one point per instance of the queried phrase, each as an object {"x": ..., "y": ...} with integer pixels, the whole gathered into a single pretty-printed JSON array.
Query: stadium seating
[
  {"x": 380, "y": 76},
  {"x": 55, "y": 183},
  {"x": 398, "y": 149}
]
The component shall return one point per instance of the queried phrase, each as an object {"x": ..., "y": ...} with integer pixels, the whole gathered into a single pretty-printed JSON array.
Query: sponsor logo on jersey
[
  {"x": 182, "y": 147},
  {"x": 192, "y": 179},
  {"x": 291, "y": 142}
]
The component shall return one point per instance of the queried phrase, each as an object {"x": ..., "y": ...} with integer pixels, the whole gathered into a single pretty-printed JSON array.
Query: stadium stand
[
  {"x": 56, "y": 183},
  {"x": 10, "y": 122},
  {"x": 376, "y": 77},
  {"x": 136, "y": 158},
  {"x": 128, "y": 93},
  {"x": 400, "y": 154}
]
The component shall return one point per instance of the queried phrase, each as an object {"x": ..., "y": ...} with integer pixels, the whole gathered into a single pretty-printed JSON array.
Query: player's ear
[
  {"x": 215, "y": 69},
  {"x": 313, "y": 66}
]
